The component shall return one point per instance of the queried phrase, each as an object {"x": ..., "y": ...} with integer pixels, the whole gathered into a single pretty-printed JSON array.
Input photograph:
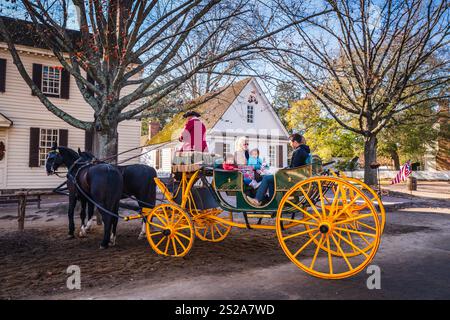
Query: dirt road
[{"x": 413, "y": 257}]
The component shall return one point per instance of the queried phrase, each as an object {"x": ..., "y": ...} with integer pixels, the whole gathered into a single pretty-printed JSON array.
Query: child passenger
[{"x": 247, "y": 171}]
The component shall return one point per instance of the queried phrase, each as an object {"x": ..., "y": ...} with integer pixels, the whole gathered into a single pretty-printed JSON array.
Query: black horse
[
  {"x": 102, "y": 182},
  {"x": 138, "y": 182}
]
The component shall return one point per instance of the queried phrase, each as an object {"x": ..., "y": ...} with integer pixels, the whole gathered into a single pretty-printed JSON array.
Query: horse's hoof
[
  {"x": 103, "y": 247},
  {"x": 70, "y": 237},
  {"x": 82, "y": 234},
  {"x": 141, "y": 236}
]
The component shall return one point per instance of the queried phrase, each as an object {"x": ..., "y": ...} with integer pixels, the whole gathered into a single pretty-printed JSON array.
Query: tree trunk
[
  {"x": 395, "y": 157},
  {"x": 105, "y": 142},
  {"x": 370, "y": 156}
]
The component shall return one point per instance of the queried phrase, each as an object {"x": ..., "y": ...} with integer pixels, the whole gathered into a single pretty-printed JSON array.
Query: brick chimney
[{"x": 153, "y": 128}]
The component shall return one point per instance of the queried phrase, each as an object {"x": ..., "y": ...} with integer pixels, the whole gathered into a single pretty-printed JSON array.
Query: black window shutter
[
  {"x": 218, "y": 147},
  {"x": 63, "y": 137},
  {"x": 37, "y": 76},
  {"x": 65, "y": 84},
  {"x": 88, "y": 140},
  {"x": 34, "y": 147},
  {"x": 2, "y": 75},
  {"x": 280, "y": 157}
]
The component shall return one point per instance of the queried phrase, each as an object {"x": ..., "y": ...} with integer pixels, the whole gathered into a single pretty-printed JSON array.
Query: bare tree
[
  {"x": 114, "y": 36},
  {"x": 368, "y": 61}
]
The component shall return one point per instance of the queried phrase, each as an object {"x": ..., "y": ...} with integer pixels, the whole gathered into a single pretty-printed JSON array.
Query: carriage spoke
[
  {"x": 309, "y": 201},
  {"x": 212, "y": 232},
  {"x": 156, "y": 225},
  {"x": 182, "y": 235},
  {"x": 302, "y": 210},
  {"x": 165, "y": 214},
  {"x": 160, "y": 219},
  {"x": 155, "y": 233},
  {"x": 358, "y": 217},
  {"x": 335, "y": 199},
  {"x": 324, "y": 212},
  {"x": 218, "y": 230},
  {"x": 367, "y": 226},
  {"x": 330, "y": 261},
  {"x": 181, "y": 243},
  {"x": 346, "y": 206},
  {"x": 300, "y": 233},
  {"x": 299, "y": 221},
  {"x": 357, "y": 232},
  {"x": 160, "y": 241},
  {"x": 183, "y": 227},
  {"x": 342, "y": 253},
  {"x": 306, "y": 244},
  {"x": 174, "y": 246},
  {"x": 352, "y": 245},
  {"x": 167, "y": 245},
  {"x": 316, "y": 253}
]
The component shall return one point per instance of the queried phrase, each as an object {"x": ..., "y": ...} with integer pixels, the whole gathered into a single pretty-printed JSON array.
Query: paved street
[{"x": 414, "y": 258}]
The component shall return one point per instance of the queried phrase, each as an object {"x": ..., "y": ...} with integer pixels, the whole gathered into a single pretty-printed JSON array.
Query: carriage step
[{"x": 254, "y": 215}]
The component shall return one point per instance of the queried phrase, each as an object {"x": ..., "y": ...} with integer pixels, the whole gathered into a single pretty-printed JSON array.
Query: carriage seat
[
  {"x": 286, "y": 178},
  {"x": 190, "y": 161}
]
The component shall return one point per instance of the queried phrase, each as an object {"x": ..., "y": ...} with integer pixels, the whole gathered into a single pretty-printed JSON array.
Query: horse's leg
[
  {"x": 72, "y": 204},
  {"x": 142, "y": 233},
  {"x": 83, "y": 218},
  {"x": 107, "y": 223},
  {"x": 114, "y": 221},
  {"x": 90, "y": 216}
]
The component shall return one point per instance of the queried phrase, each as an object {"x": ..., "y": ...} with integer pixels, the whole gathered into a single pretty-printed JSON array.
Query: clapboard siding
[{"x": 26, "y": 111}]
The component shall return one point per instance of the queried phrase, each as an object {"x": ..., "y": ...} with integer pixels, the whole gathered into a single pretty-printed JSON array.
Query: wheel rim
[
  {"x": 208, "y": 229},
  {"x": 170, "y": 231},
  {"x": 323, "y": 227}
]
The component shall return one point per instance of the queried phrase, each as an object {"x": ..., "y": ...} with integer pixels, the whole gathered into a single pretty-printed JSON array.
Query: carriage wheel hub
[
  {"x": 166, "y": 232},
  {"x": 324, "y": 228}
]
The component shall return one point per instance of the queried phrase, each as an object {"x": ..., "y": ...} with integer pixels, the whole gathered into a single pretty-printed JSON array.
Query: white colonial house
[
  {"x": 240, "y": 109},
  {"x": 28, "y": 129}
]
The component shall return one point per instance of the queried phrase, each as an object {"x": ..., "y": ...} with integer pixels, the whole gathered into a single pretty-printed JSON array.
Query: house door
[{"x": 3, "y": 147}]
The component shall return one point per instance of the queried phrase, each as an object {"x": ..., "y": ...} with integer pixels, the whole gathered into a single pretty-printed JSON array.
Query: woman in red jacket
[{"x": 193, "y": 136}]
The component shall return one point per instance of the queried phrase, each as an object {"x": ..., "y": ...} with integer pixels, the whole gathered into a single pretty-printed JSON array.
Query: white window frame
[
  {"x": 46, "y": 140},
  {"x": 272, "y": 155},
  {"x": 250, "y": 113},
  {"x": 55, "y": 80},
  {"x": 226, "y": 148}
]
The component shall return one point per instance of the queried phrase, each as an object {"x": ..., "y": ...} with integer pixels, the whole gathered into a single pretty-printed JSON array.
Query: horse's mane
[{"x": 69, "y": 151}]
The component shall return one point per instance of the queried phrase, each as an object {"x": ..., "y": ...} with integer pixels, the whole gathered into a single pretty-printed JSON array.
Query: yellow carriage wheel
[
  {"x": 322, "y": 226},
  {"x": 170, "y": 231},
  {"x": 209, "y": 229}
]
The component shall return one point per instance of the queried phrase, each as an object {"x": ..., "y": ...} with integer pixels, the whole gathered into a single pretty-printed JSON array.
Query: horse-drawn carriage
[{"x": 328, "y": 225}]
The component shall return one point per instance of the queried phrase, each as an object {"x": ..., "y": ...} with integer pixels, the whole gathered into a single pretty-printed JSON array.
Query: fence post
[{"x": 21, "y": 211}]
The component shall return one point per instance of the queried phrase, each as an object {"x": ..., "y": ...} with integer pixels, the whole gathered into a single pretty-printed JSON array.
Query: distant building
[
  {"x": 27, "y": 128},
  {"x": 241, "y": 109}
]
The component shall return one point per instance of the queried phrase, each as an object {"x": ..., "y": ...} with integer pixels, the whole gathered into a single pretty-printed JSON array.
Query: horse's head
[{"x": 54, "y": 161}]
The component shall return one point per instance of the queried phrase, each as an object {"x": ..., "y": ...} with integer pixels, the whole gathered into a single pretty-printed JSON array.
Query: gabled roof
[
  {"x": 211, "y": 110},
  {"x": 5, "y": 122}
]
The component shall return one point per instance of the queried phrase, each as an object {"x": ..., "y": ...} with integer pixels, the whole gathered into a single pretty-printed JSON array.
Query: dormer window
[
  {"x": 51, "y": 80},
  {"x": 250, "y": 114}
]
